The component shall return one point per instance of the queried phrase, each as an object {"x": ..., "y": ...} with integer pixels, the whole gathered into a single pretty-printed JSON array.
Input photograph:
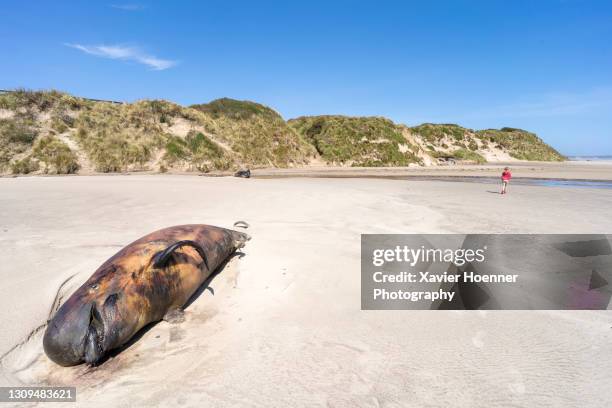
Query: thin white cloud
[
  {"x": 551, "y": 105},
  {"x": 560, "y": 104},
  {"x": 128, "y": 7},
  {"x": 125, "y": 53}
]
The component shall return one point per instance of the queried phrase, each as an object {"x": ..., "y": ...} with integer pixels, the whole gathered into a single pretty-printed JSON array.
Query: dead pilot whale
[{"x": 140, "y": 284}]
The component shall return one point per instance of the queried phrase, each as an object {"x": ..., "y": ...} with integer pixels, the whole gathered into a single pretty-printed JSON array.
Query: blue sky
[{"x": 543, "y": 65}]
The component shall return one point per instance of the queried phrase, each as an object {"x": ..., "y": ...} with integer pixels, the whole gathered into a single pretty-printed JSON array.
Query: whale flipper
[{"x": 161, "y": 258}]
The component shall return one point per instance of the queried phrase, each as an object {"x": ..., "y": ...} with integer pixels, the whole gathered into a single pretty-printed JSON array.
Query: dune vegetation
[
  {"x": 357, "y": 141},
  {"x": 470, "y": 145},
  {"x": 520, "y": 144},
  {"x": 256, "y": 134},
  {"x": 51, "y": 132}
]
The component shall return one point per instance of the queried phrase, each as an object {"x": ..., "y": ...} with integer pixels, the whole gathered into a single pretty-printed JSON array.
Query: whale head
[{"x": 88, "y": 325}]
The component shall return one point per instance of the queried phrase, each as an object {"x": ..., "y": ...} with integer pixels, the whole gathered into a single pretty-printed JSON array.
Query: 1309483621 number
[{"x": 38, "y": 394}]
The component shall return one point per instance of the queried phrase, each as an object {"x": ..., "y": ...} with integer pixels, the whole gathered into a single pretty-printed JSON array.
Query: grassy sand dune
[
  {"x": 146, "y": 135},
  {"x": 56, "y": 133}
]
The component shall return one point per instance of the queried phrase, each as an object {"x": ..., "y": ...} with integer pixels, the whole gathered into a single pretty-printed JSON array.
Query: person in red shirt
[{"x": 505, "y": 179}]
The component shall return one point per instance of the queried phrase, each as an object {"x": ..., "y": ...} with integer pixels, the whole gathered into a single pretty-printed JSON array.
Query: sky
[{"x": 544, "y": 66}]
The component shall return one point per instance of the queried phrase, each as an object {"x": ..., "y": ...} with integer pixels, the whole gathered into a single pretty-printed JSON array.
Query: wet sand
[
  {"x": 284, "y": 325},
  {"x": 569, "y": 170}
]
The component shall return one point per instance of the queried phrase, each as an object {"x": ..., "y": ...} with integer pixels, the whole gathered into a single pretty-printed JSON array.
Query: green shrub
[
  {"x": 197, "y": 149},
  {"x": 200, "y": 144},
  {"x": 39, "y": 100},
  {"x": 176, "y": 150},
  {"x": 24, "y": 166},
  {"x": 56, "y": 155},
  {"x": 16, "y": 137},
  {"x": 59, "y": 127},
  {"x": 155, "y": 111},
  {"x": 16, "y": 131},
  {"x": 238, "y": 110},
  {"x": 361, "y": 141},
  {"x": 468, "y": 155},
  {"x": 61, "y": 122},
  {"x": 433, "y": 133},
  {"x": 520, "y": 144}
]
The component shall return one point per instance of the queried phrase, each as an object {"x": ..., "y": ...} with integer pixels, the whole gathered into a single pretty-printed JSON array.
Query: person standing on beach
[{"x": 505, "y": 179}]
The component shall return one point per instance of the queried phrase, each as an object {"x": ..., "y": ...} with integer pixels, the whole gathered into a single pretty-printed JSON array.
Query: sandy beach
[
  {"x": 281, "y": 325},
  {"x": 583, "y": 170}
]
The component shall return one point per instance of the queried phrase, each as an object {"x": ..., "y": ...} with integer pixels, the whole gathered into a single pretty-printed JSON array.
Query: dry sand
[{"x": 284, "y": 325}]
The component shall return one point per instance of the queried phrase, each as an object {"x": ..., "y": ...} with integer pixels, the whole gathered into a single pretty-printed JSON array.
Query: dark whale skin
[{"x": 140, "y": 284}]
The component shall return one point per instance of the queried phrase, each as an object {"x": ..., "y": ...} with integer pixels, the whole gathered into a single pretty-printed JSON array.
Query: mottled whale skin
[{"x": 140, "y": 284}]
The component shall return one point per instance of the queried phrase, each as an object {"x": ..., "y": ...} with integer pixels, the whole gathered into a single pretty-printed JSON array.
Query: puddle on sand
[{"x": 568, "y": 183}]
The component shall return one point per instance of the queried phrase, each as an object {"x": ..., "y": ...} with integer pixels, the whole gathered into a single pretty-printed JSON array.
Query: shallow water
[
  {"x": 543, "y": 182},
  {"x": 590, "y": 158},
  {"x": 573, "y": 183},
  {"x": 567, "y": 183}
]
